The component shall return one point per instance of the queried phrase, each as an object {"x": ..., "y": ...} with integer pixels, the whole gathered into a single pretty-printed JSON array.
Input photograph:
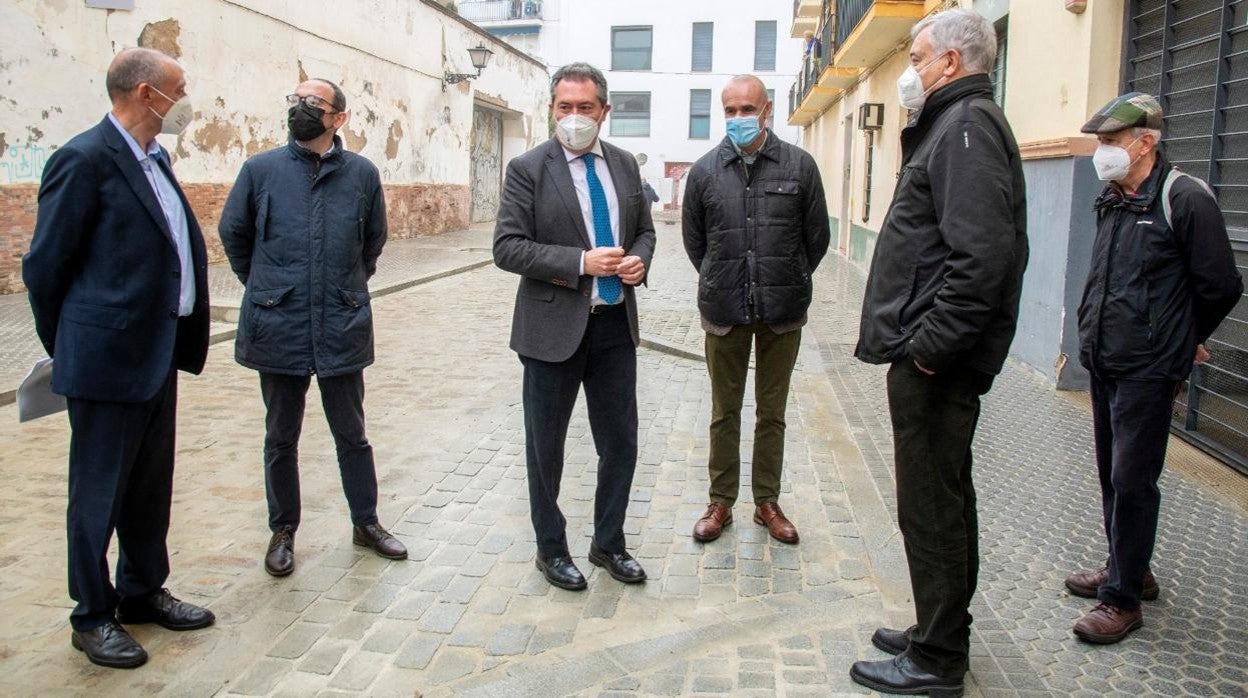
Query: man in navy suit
[{"x": 117, "y": 275}]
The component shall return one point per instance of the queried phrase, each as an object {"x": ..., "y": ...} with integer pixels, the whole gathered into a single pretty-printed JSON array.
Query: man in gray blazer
[{"x": 574, "y": 224}]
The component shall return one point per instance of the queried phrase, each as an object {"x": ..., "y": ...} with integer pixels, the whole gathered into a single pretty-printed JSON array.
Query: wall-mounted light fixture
[{"x": 480, "y": 57}]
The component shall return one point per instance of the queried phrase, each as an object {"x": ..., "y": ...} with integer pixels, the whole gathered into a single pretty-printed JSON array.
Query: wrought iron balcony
[
  {"x": 867, "y": 30},
  {"x": 500, "y": 10}
]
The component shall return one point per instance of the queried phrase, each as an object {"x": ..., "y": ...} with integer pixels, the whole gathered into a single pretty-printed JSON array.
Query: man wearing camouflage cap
[{"x": 1162, "y": 277}]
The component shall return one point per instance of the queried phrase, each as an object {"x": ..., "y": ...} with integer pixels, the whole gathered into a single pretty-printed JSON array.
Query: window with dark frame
[
  {"x": 703, "y": 47},
  {"x": 631, "y": 47},
  {"x": 630, "y": 113},
  {"x": 699, "y": 114},
  {"x": 765, "y": 45}
]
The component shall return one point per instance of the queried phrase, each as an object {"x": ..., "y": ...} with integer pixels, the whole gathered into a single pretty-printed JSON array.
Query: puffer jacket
[
  {"x": 947, "y": 273},
  {"x": 1154, "y": 292},
  {"x": 303, "y": 234},
  {"x": 755, "y": 241}
]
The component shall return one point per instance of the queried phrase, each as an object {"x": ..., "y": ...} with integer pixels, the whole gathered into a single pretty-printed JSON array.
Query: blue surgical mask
[{"x": 743, "y": 130}]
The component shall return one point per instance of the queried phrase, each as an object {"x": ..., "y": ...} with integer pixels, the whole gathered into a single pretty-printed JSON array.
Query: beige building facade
[{"x": 1058, "y": 62}]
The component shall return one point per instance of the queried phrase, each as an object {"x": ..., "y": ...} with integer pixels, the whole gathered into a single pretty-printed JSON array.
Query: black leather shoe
[
  {"x": 109, "y": 645},
  {"x": 902, "y": 676},
  {"x": 280, "y": 560},
  {"x": 561, "y": 572},
  {"x": 892, "y": 641},
  {"x": 379, "y": 539},
  {"x": 163, "y": 609},
  {"x": 621, "y": 566}
]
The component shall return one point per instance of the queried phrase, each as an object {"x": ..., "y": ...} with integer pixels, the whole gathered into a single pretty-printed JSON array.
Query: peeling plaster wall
[{"x": 242, "y": 57}]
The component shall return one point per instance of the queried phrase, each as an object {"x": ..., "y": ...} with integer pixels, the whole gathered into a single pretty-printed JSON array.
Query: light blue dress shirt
[{"x": 175, "y": 213}]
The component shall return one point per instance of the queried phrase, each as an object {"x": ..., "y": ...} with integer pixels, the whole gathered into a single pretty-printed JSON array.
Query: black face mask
[{"x": 306, "y": 123}]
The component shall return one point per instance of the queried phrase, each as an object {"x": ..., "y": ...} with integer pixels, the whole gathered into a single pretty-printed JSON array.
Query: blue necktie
[{"x": 608, "y": 286}]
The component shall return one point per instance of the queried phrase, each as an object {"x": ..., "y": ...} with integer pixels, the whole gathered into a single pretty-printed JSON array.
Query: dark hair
[
  {"x": 133, "y": 67},
  {"x": 340, "y": 98},
  {"x": 577, "y": 72}
]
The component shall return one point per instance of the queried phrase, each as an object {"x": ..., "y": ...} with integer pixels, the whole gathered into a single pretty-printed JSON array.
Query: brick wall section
[
  {"x": 17, "y": 220},
  {"x": 413, "y": 209}
]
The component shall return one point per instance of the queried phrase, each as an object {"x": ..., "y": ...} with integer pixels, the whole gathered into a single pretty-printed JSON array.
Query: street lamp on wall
[{"x": 480, "y": 57}]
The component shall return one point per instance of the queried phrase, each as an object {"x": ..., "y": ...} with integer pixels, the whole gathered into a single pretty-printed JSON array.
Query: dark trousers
[
  {"x": 120, "y": 478},
  {"x": 1131, "y": 422},
  {"x": 606, "y": 364},
  {"x": 727, "y": 359},
  {"x": 934, "y": 420},
  {"x": 343, "y": 400}
]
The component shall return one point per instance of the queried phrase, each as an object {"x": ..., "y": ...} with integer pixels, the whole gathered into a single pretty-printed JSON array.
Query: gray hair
[
  {"x": 133, "y": 67},
  {"x": 969, "y": 33},
  {"x": 576, "y": 72},
  {"x": 1139, "y": 131}
]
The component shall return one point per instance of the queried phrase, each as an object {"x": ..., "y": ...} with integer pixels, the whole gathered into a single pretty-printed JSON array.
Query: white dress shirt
[
  {"x": 175, "y": 214},
  {"x": 580, "y": 180}
]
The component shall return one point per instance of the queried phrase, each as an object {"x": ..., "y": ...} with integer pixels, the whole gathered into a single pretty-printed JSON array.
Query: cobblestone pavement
[
  {"x": 402, "y": 263},
  {"x": 468, "y": 613}
]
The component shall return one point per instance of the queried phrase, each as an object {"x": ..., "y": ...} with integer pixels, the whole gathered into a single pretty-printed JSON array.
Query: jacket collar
[
  {"x": 969, "y": 87},
  {"x": 299, "y": 152},
  {"x": 729, "y": 155}
]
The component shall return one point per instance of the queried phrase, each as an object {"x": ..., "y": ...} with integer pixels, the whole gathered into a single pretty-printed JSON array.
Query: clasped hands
[{"x": 611, "y": 261}]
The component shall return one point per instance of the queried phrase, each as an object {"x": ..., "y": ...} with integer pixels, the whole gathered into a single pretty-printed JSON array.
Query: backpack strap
[{"x": 1171, "y": 176}]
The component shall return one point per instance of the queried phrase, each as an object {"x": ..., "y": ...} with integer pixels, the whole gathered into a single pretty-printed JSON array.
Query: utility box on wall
[{"x": 111, "y": 4}]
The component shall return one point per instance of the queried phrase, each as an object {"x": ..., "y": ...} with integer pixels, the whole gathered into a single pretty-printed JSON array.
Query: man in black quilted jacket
[
  {"x": 755, "y": 227},
  {"x": 940, "y": 308}
]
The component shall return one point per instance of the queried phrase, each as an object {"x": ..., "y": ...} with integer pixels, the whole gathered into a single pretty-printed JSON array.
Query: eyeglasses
[{"x": 312, "y": 101}]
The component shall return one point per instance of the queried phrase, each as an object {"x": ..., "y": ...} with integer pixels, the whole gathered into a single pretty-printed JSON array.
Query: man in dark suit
[
  {"x": 575, "y": 225},
  {"x": 117, "y": 275}
]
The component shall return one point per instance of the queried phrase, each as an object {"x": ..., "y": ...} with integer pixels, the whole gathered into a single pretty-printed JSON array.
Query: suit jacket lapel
[
  {"x": 132, "y": 172},
  {"x": 618, "y": 172},
  {"x": 557, "y": 165}
]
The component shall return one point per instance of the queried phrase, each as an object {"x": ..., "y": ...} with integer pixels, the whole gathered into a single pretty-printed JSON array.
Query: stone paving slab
[
  {"x": 468, "y": 613},
  {"x": 403, "y": 263}
]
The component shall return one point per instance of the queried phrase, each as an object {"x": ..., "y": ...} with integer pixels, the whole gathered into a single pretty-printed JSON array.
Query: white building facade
[{"x": 665, "y": 62}]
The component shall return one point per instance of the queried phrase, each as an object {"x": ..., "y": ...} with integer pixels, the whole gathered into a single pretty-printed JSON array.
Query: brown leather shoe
[
  {"x": 712, "y": 522},
  {"x": 768, "y": 514},
  {"x": 380, "y": 540},
  {"x": 1085, "y": 584},
  {"x": 1105, "y": 624}
]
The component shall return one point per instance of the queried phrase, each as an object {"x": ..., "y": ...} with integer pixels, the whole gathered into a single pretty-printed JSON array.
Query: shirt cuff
[{"x": 581, "y": 272}]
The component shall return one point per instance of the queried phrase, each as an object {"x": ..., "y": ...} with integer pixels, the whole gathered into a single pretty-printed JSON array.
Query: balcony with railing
[
  {"x": 501, "y": 12},
  {"x": 819, "y": 82},
  {"x": 805, "y": 17},
  {"x": 868, "y": 30}
]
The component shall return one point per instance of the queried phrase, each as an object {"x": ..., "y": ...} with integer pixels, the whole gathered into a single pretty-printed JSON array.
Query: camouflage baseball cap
[{"x": 1126, "y": 111}]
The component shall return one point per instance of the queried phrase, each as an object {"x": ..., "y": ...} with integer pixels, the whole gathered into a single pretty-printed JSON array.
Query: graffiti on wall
[{"x": 22, "y": 164}]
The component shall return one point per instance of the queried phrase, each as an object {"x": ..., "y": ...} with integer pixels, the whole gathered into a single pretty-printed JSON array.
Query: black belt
[{"x": 600, "y": 309}]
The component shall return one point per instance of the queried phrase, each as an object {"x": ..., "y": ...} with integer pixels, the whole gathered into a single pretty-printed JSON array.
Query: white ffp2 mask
[{"x": 576, "y": 132}]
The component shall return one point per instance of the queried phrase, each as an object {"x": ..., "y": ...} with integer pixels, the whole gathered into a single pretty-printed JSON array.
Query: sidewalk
[
  {"x": 403, "y": 263},
  {"x": 468, "y": 614}
]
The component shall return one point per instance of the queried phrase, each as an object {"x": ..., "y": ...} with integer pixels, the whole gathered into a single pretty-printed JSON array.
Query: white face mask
[
  {"x": 178, "y": 117},
  {"x": 576, "y": 131},
  {"x": 1112, "y": 162},
  {"x": 910, "y": 86}
]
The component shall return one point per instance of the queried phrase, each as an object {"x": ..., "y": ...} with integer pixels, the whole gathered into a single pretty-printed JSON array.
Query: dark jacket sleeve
[
  {"x": 238, "y": 224},
  {"x": 68, "y": 199},
  {"x": 693, "y": 218},
  {"x": 516, "y": 248},
  {"x": 815, "y": 230},
  {"x": 971, "y": 182},
  {"x": 1201, "y": 232},
  {"x": 375, "y": 227}
]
